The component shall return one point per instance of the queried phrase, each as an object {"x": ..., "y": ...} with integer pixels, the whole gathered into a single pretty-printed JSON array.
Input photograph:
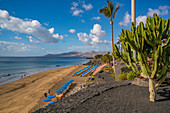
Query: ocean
[{"x": 13, "y": 68}]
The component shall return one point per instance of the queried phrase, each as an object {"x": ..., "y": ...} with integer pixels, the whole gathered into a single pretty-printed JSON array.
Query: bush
[
  {"x": 108, "y": 69},
  {"x": 97, "y": 56},
  {"x": 123, "y": 76},
  {"x": 131, "y": 75},
  {"x": 127, "y": 76},
  {"x": 107, "y": 58},
  {"x": 113, "y": 75}
]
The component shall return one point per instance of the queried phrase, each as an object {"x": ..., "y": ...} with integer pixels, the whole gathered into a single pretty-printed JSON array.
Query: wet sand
[{"x": 26, "y": 95}]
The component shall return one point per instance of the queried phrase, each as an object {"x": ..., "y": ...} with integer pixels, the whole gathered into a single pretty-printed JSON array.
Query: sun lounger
[
  {"x": 64, "y": 88},
  {"x": 51, "y": 96},
  {"x": 82, "y": 70},
  {"x": 59, "y": 92},
  {"x": 51, "y": 103},
  {"x": 88, "y": 71},
  {"x": 47, "y": 100}
]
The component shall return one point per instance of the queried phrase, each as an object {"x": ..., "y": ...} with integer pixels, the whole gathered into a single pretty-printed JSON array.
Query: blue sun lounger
[
  {"x": 81, "y": 70},
  {"x": 88, "y": 70},
  {"x": 59, "y": 91},
  {"x": 63, "y": 88},
  {"x": 47, "y": 100},
  {"x": 51, "y": 103}
]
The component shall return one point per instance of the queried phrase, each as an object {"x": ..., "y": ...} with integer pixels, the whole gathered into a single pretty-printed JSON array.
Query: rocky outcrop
[{"x": 81, "y": 86}]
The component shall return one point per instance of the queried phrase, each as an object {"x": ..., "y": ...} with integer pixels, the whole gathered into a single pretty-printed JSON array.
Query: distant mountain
[{"x": 75, "y": 54}]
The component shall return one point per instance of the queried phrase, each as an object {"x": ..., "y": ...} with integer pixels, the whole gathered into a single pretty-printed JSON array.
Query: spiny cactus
[
  {"x": 146, "y": 41},
  {"x": 126, "y": 56}
]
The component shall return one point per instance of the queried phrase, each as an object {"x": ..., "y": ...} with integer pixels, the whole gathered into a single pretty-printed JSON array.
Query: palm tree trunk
[{"x": 111, "y": 22}]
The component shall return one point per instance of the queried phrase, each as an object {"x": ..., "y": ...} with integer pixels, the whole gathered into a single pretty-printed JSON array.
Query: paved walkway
[{"x": 99, "y": 68}]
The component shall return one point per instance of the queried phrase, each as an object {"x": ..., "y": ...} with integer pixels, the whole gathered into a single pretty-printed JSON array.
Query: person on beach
[
  {"x": 45, "y": 94},
  {"x": 48, "y": 91}
]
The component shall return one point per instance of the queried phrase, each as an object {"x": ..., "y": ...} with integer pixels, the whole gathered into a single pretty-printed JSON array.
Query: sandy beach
[{"x": 26, "y": 95}]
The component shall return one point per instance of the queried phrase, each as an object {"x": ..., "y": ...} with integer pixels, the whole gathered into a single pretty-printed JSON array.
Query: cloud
[
  {"x": 152, "y": 11},
  {"x": 16, "y": 37},
  {"x": 74, "y": 5},
  {"x": 83, "y": 21},
  {"x": 32, "y": 40},
  {"x": 46, "y": 24},
  {"x": 66, "y": 35},
  {"x": 72, "y": 30},
  {"x": 97, "y": 30},
  {"x": 96, "y": 18},
  {"x": 126, "y": 19},
  {"x": 57, "y": 36},
  {"x": 162, "y": 10},
  {"x": 87, "y": 7},
  {"x": 164, "y": 7},
  {"x": 19, "y": 49},
  {"x": 94, "y": 37},
  {"x": 77, "y": 12},
  {"x": 83, "y": 37},
  {"x": 141, "y": 19},
  {"x": 51, "y": 30},
  {"x": 31, "y": 27}
]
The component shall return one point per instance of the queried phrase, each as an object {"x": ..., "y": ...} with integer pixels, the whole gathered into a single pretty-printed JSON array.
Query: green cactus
[{"x": 147, "y": 42}]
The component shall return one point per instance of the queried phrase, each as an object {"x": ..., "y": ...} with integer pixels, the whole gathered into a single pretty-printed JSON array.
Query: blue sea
[{"x": 13, "y": 68}]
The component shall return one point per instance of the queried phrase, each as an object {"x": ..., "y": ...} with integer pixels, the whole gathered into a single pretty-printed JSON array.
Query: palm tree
[{"x": 110, "y": 12}]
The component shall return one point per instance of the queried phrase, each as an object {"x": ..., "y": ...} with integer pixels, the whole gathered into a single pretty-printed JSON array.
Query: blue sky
[{"x": 39, "y": 27}]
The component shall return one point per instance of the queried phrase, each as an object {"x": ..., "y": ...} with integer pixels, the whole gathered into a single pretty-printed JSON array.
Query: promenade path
[{"x": 98, "y": 69}]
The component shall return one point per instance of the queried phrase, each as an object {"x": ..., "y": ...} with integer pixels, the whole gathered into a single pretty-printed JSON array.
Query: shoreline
[
  {"x": 30, "y": 73},
  {"x": 27, "y": 93}
]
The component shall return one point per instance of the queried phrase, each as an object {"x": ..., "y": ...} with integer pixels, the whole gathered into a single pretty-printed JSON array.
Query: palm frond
[
  {"x": 110, "y": 7},
  {"x": 117, "y": 8},
  {"x": 108, "y": 11},
  {"x": 105, "y": 12}
]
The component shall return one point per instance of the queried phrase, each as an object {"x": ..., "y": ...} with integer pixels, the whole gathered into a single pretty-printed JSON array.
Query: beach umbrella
[{"x": 47, "y": 100}]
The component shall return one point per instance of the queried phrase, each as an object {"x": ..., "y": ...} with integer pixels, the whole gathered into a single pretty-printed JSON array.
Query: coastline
[
  {"x": 26, "y": 94},
  {"x": 15, "y": 68}
]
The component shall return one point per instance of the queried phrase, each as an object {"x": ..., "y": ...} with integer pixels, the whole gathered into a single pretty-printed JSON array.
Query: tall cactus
[
  {"x": 126, "y": 56},
  {"x": 146, "y": 41}
]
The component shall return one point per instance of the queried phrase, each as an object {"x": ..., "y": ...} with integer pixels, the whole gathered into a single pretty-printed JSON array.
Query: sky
[{"x": 40, "y": 27}]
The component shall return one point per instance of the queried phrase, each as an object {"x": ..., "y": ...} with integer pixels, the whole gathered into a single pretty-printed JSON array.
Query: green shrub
[
  {"x": 131, "y": 75},
  {"x": 113, "y": 75},
  {"x": 109, "y": 68},
  {"x": 123, "y": 76},
  {"x": 127, "y": 76}
]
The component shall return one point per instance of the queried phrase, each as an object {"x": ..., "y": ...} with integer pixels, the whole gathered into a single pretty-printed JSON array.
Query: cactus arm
[
  {"x": 146, "y": 38},
  {"x": 130, "y": 42},
  {"x": 143, "y": 64},
  {"x": 154, "y": 64},
  {"x": 162, "y": 72},
  {"x": 167, "y": 26}
]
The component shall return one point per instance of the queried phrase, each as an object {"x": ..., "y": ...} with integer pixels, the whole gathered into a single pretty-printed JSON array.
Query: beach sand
[{"x": 27, "y": 94}]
